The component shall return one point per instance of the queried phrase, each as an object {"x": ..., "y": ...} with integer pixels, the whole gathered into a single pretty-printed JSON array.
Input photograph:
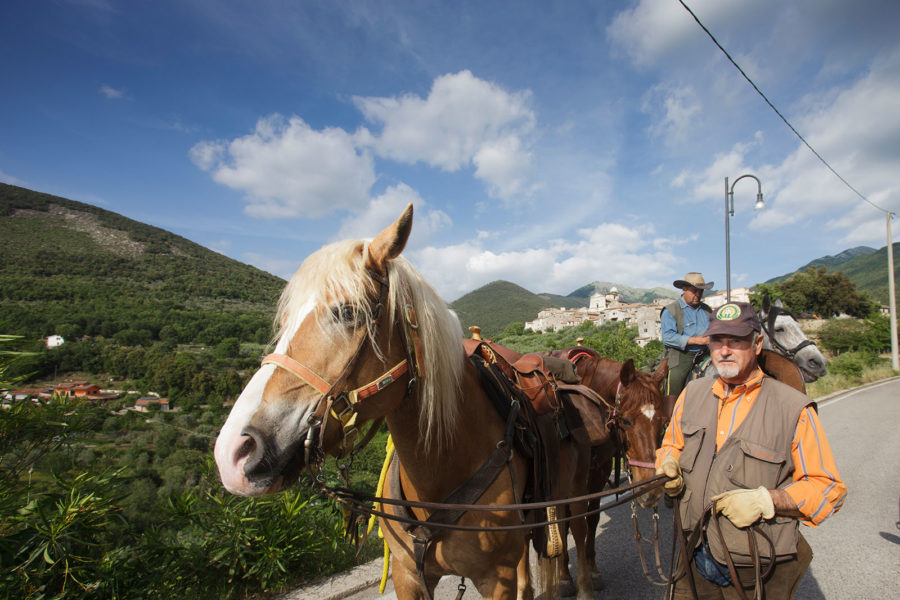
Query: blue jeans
[{"x": 711, "y": 569}]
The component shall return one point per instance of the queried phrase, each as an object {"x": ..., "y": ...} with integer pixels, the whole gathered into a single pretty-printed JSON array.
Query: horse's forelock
[
  {"x": 642, "y": 391},
  {"x": 334, "y": 275}
]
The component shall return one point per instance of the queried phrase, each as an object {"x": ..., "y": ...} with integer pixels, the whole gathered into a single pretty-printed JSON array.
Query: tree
[
  {"x": 762, "y": 290},
  {"x": 826, "y": 294}
]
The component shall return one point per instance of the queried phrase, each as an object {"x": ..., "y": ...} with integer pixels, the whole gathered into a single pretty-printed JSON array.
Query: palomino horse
[
  {"x": 637, "y": 419},
  {"x": 364, "y": 337}
]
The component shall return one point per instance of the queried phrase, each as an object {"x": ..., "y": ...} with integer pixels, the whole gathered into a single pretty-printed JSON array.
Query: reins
[
  {"x": 687, "y": 546},
  {"x": 360, "y": 502}
]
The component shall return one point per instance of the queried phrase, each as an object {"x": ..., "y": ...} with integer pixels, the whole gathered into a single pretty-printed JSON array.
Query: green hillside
[
  {"x": 866, "y": 269},
  {"x": 77, "y": 270},
  {"x": 499, "y": 303}
]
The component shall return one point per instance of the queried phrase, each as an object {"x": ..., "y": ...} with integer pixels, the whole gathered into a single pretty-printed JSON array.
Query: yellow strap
[{"x": 379, "y": 491}]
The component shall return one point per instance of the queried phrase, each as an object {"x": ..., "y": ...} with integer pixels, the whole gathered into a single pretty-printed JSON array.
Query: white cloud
[
  {"x": 858, "y": 133},
  {"x": 678, "y": 107},
  {"x": 111, "y": 93},
  {"x": 708, "y": 185},
  {"x": 609, "y": 251},
  {"x": 386, "y": 208},
  {"x": 464, "y": 121},
  {"x": 7, "y": 178},
  {"x": 288, "y": 169}
]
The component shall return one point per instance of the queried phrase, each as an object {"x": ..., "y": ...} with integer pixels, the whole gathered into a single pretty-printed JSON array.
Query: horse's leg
[
  {"x": 525, "y": 591},
  {"x": 406, "y": 581},
  {"x": 597, "y": 480},
  {"x": 579, "y": 532},
  {"x": 566, "y": 585},
  {"x": 504, "y": 585}
]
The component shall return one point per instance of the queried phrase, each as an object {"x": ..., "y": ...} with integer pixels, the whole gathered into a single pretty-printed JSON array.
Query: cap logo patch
[{"x": 728, "y": 312}]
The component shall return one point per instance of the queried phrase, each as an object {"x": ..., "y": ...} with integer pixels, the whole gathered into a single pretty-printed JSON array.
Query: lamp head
[{"x": 759, "y": 202}]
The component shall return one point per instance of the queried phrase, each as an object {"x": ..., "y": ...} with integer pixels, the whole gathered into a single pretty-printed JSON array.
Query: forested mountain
[
  {"x": 865, "y": 267},
  {"x": 831, "y": 263},
  {"x": 626, "y": 294},
  {"x": 499, "y": 303},
  {"x": 77, "y": 270}
]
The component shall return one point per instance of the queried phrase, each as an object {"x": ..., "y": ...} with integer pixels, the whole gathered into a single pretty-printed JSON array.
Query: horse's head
[
  {"x": 356, "y": 324},
  {"x": 641, "y": 413},
  {"x": 641, "y": 416},
  {"x": 784, "y": 335}
]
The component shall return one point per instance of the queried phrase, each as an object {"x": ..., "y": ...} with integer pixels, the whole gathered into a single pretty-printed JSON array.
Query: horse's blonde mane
[{"x": 337, "y": 274}]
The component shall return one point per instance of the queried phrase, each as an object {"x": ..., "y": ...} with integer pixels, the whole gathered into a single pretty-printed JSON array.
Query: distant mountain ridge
[
  {"x": 865, "y": 267},
  {"x": 829, "y": 262},
  {"x": 499, "y": 303},
  {"x": 68, "y": 263},
  {"x": 627, "y": 294}
]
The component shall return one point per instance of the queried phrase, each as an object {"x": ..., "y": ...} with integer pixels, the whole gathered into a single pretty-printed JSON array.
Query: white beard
[{"x": 727, "y": 370}]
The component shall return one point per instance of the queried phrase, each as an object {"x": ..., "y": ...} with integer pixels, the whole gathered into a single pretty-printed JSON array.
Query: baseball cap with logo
[{"x": 734, "y": 318}]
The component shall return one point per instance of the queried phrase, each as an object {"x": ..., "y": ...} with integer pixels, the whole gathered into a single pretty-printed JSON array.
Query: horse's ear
[
  {"x": 766, "y": 303},
  {"x": 779, "y": 303},
  {"x": 388, "y": 244},
  {"x": 660, "y": 372},
  {"x": 627, "y": 374}
]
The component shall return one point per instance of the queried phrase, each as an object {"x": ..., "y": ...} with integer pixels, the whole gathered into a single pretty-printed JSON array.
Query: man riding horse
[{"x": 683, "y": 324}]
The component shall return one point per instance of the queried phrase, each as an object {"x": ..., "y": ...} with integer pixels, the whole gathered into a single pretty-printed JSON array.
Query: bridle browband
[
  {"x": 768, "y": 325},
  {"x": 342, "y": 404}
]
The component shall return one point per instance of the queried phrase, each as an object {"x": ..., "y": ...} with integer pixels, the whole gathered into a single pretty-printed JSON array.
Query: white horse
[{"x": 781, "y": 334}]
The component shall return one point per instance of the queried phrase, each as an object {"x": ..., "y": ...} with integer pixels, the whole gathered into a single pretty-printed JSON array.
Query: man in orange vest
[{"x": 756, "y": 448}]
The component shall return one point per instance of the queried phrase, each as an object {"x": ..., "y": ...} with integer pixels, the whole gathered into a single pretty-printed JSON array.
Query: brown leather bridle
[{"x": 342, "y": 404}]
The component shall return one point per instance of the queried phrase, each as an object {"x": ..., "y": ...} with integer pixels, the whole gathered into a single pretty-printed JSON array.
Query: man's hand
[
  {"x": 671, "y": 469},
  {"x": 745, "y": 507}
]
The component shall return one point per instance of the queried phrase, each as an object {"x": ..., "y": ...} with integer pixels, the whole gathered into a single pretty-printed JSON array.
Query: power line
[{"x": 777, "y": 112}]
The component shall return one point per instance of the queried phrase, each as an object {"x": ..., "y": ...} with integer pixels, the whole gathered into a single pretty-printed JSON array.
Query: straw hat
[{"x": 693, "y": 280}]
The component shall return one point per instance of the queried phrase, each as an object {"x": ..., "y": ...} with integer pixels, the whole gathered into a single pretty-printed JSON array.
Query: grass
[{"x": 835, "y": 382}]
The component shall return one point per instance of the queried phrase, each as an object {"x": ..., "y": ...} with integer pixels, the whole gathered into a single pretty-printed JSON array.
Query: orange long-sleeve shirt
[{"x": 816, "y": 487}]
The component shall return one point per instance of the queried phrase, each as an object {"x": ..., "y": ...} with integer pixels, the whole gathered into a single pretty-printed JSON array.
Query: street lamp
[{"x": 729, "y": 212}]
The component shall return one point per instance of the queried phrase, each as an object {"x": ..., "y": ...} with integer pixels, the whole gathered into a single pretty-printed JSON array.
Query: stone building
[{"x": 605, "y": 308}]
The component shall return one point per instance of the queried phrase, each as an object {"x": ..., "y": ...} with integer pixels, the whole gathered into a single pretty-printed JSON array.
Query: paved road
[{"x": 857, "y": 550}]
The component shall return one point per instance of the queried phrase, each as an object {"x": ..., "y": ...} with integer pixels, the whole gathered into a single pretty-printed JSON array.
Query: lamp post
[{"x": 729, "y": 212}]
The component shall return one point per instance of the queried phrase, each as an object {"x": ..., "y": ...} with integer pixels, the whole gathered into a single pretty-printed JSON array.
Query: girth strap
[{"x": 469, "y": 492}]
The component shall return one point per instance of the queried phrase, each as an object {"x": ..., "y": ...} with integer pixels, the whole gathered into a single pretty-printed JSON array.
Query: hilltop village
[{"x": 606, "y": 307}]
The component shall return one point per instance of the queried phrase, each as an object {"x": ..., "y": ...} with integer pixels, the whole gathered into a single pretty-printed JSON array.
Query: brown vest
[{"x": 757, "y": 453}]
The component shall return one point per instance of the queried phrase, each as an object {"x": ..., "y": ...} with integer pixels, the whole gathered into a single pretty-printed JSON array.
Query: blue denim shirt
[{"x": 696, "y": 320}]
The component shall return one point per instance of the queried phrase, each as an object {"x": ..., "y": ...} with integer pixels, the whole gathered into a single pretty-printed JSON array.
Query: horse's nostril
[{"x": 253, "y": 449}]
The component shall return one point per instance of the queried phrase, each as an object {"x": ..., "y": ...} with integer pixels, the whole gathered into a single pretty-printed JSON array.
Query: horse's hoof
[{"x": 567, "y": 588}]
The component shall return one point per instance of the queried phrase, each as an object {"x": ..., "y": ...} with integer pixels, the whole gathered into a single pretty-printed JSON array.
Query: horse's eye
[
  {"x": 346, "y": 314},
  {"x": 626, "y": 422},
  {"x": 779, "y": 329}
]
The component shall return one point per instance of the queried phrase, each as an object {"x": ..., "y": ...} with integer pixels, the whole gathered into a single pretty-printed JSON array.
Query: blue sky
[{"x": 550, "y": 144}]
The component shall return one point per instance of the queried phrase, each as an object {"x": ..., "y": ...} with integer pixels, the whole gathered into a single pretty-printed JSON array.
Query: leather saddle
[{"x": 552, "y": 386}]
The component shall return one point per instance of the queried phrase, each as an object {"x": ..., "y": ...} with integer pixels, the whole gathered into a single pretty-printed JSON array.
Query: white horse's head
[{"x": 784, "y": 336}]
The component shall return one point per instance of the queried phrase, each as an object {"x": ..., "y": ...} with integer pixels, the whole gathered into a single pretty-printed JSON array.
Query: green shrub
[{"x": 852, "y": 364}]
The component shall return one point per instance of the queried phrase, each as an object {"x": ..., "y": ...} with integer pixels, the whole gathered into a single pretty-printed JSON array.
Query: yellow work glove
[
  {"x": 745, "y": 507},
  {"x": 671, "y": 469}
]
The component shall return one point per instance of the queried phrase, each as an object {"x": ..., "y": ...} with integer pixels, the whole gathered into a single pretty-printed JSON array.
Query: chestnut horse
[
  {"x": 363, "y": 337},
  {"x": 638, "y": 419}
]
